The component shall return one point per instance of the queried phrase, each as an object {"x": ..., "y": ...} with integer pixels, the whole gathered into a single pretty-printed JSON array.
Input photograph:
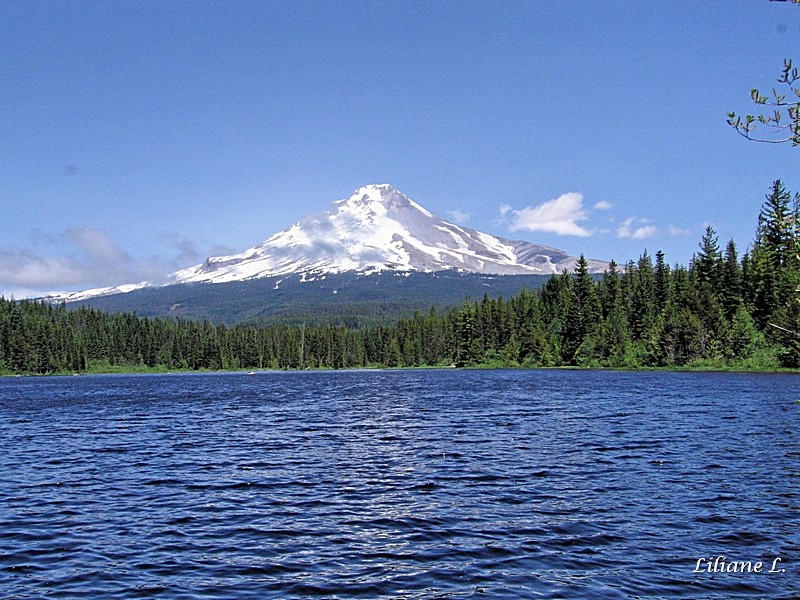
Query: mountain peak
[
  {"x": 382, "y": 199},
  {"x": 381, "y": 188},
  {"x": 376, "y": 194},
  {"x": 378, "y": 228}
]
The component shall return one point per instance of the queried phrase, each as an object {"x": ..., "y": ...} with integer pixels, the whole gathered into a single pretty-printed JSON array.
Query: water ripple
[{"x": 398, "y": 484}]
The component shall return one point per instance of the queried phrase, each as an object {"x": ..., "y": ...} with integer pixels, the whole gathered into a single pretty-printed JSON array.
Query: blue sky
[{"x": 142, "y": 137}]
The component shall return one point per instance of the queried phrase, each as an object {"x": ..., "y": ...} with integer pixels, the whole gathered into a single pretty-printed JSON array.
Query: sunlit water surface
[{"x": 399, "y": 484}]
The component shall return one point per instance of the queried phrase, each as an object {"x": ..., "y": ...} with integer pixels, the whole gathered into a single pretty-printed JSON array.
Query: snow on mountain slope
[
  {"x": 376, "y": 229},
  {"x": 95, "y": 292}
]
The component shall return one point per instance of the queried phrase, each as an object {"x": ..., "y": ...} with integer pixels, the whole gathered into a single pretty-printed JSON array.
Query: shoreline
[{"x": 143, "y": 370}]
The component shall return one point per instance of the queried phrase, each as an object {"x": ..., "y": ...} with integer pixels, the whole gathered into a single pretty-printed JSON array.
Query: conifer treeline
[{"x": 721, "y": 310}]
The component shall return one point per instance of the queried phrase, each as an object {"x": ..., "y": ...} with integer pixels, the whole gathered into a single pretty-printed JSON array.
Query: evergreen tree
[
  {"x": 610, "y": 291},
  {"x": 707, "y": 263},
  {"x": 774, "y": 267},
  {"x": 776, "y": 226},
  {"x": 583, "y": 315},
  {"x": 745, "y": 339},
  {"x": 662, "y": 282},
  {"x": 704, "y": 299},
  {"x": 719, "y": 308},
  {"x": 680, "y": 337},
  {"x": 469, "y": 351},
  {"x": 641, "y": 304},
  {"x": 731, "y": 281}
]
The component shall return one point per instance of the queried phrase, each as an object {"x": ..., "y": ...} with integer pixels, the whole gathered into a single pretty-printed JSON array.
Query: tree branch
[{"x": 746, "y": 125}]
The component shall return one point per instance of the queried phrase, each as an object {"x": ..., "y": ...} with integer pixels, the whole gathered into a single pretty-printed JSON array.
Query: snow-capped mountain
[{"x": 376, "y": 229}]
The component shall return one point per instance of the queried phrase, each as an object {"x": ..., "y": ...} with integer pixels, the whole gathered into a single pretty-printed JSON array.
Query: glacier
[{"x": 376, "y": 229}]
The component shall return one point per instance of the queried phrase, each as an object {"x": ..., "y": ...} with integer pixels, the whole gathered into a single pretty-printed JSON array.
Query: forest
[{"x": 722, "y": 311}]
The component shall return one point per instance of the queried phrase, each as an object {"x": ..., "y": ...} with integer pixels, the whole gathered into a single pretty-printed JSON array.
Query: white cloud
[
  {"x": 560, "y": 216},
  {"x": 187, "y": 250},
  {"x": 505, "y": 209},
  {"x": 679, "y": 231},
  {"x": 97, "y": 246},
  {"x": 642, "y": 233},
  {"x": 603, "y": 205},
  {"x": 20, "y": 293},
  {"x": 20, "y": 268},
  {"x": 86, "y": 257},
  {"x": 628, "y": 229},
  {"x": 459, "y": 216}
]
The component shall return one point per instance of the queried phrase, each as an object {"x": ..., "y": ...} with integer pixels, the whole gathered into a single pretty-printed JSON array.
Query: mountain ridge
[
  {"x": 379, "y": 228},
  {"x": 345, "y": 299},
  {"x": 375, "y": 229}
]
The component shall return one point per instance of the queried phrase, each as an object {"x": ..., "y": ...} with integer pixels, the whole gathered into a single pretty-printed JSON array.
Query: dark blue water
[{"x": 399, "y": 484}]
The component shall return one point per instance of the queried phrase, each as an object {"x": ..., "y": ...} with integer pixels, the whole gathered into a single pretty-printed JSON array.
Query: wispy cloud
[
  {"x": 603, "y": 205},
  {"x": 459, "y": 216},
  {"x": 99, "y": 250},
  {"x": 561, "y": 216},
  {"x": 679, "y": 231},
  {"x": 187, "y": 251},
  {"x": 22, "y": 268},
  {"x": 86, "y": 257},
  {"x": 636, "y": 228}
]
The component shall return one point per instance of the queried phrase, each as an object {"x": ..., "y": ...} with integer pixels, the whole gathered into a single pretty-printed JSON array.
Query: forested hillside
[
  {"x": 347, "y": 299},
  {"x": 720, "y": 311}
]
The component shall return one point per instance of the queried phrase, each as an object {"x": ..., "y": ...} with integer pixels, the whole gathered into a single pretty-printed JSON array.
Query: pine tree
[
  {"x": 774, "y": 267},
  {"x": 731, "y": 281},
  {"x": 680, "y": 337},
  {"x": 708, "y": 262},
  {"x": 776, "y": 226},
  {"x": 662, "y": 281},
  {"x": 641, "y": 304},
  {"x": 469, "y": 351},
  {"x": 583, "y": 316},
  {"x": 744, "y": 337}
]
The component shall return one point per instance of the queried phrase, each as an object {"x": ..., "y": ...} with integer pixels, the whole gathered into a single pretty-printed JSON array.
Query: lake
[{"x": 401, "y": 484}]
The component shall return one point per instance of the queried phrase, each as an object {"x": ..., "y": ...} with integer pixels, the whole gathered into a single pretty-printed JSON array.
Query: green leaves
[{"x": 786, "y": 103}]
